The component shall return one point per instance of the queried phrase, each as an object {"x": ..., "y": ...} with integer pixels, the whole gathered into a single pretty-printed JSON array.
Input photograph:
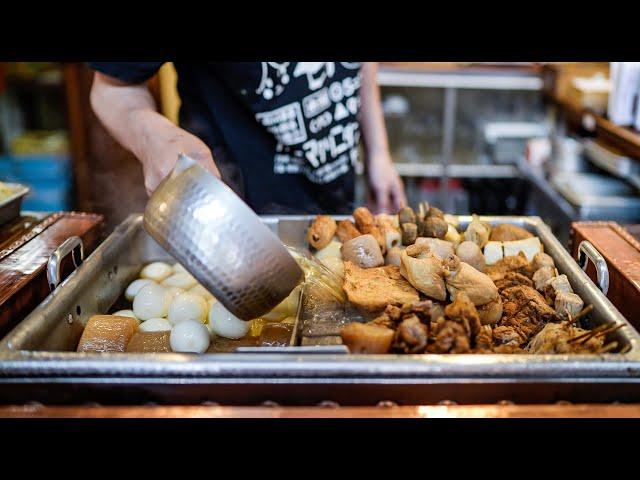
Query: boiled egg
[
  {"x": 155, "y": 325},
  {"x": 203, "y": 292},
  {"x": 190, "y": 336},
  {"x": 134, "y": 287},
  {"x": 225, "y": 324},
  {"x": 175, "y": 291},
  {"x": 156, "y": 271},
  {"x": 177, "y": 268},
  {"x": 187, "y": 306},
  {"x": 286, "y": 308},
  {"x": 180, "y": 280},
  {"x": 152, "y": 300},
  {"x": 126, "y": 313}
]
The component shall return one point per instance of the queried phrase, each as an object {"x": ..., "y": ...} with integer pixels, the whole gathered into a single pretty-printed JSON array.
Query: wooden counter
[{"x": 424, "y": 411}]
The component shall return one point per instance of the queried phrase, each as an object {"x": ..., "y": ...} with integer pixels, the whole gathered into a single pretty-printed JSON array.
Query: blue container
[{"x": 49, "y": 178}]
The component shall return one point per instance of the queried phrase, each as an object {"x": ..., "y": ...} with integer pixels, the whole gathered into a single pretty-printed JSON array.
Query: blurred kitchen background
[{"x": 559, "y": 140}]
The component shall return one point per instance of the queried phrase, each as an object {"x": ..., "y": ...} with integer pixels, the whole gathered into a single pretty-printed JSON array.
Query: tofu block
[
  {"x": 107, "y": 333},
  {"x": 493, "y": 252},
  {"x": 530, "y": 247},
  {"x": 149, "y": 342}
]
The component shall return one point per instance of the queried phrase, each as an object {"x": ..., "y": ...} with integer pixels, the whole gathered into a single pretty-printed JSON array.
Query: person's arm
[
  {"x": 128, "y": 112},
  {"x": 383, "y": 178}
]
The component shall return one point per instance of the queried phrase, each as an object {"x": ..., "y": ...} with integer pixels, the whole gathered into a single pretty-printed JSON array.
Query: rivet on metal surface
[
  {"x": 386, "y": 404},
  {"x": 269, "y": 403},
  {"x": 209, "y": 403},
  {"x": 447, "y": 402},
  {"x": 329, "y": 404},
  {"x": 563, "y": 402},
  {"x": 506, "y": 402}
]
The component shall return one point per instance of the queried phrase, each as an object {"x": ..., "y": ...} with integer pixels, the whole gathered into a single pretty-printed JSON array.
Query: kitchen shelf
[
  {"x": 485, "y": 79},
  {"x": 435, "y": 170}
]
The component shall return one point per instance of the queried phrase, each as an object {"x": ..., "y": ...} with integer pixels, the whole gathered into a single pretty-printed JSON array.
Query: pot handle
[
  {"x": 586, "y": 252},
  {"x": 70, "y": 245}
]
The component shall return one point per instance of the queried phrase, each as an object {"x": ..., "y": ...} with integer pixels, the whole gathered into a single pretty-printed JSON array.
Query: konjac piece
[
  {"x": 107, "y": 333},
  {"x": 149, "y": 342}
]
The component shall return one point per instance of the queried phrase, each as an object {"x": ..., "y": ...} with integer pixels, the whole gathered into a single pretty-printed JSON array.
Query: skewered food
[
  {"x": 423, "y": 269},
  {"x": 441, "y": 248},
  {"x": 434, "y": 227},
  {"x": 393, "y": 256},
  {"x": 469, "y": 252},
  {"x": 346, "y": 230},
  {"x": 372, "y": 289},
  {"x": 366, "y": 223},
  {"x": 107, "y": 333},
  {"x": 332, "y": 249},
  {"x": 364, "y": 251},
  {"x": 558, "y": 338},
  {"x": 321, "y": 231},
  {"x": 477, "y": 232},
  {"x": 541, "y": 260},
  {"x": 189, "y": 336},
  {"x": 506, "y": 232},
  {"x": 409, "y": 233},
  {"x": 461, "y": 277},
  {"x": 542, "y": 277},
  {"x": 568, "y": 305}
]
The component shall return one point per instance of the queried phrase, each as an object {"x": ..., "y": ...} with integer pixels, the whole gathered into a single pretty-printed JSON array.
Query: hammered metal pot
[{"x": 220, "y": 241}]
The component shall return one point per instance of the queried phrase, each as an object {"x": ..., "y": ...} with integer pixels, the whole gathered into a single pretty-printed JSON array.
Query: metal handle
[
  {"x": 586, "y": 252},
  {"x": 70, "y": 245}
]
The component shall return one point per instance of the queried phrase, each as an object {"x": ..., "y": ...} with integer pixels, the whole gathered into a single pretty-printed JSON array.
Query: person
[{"x": 283, "y": 135}]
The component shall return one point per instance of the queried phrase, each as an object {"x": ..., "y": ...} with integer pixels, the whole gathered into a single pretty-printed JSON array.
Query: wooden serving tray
[
  {"x": 622, "y": 253},
  {"x": 24, "y": 255}
]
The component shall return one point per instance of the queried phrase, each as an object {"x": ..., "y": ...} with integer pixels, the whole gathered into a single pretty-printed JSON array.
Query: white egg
[
  {"x": 211, "y": 332},
  {"x": 126, "y": 313},
  {"x": 190, "y": 336},
  {"x": 203, "y": 292},
  {"x": 187, "y": 306},
  {"x": 225, "y": 324},
  {"x": 152, "y": 300},
  {"x": 156, "y": 271},
  {"x": 155, "y": 325},
  {"x": 180, "y": 280},
  {"x": 175, "y": 291},
  {"x": 331, "y": 250},
  {"x": 177, "y": 268},
  {"x": 134, "y": 287}
]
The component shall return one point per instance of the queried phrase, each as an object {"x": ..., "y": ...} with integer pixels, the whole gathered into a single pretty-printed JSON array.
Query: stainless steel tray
[
  {"x": 10, "y": 207},
  {"x": 36, "y": 361}
]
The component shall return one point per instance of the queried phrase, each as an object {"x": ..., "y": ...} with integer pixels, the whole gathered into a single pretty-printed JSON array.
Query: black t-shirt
[{"x": 285, "y": 135}]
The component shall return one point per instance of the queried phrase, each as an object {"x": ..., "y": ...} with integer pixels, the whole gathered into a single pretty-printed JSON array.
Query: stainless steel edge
[{"x": 17, "y": 361}]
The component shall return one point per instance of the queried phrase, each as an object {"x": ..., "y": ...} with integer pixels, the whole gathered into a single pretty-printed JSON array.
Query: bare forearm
[
  {"x": 372, "y": 122},
  {"x": 129, "y": 113}
]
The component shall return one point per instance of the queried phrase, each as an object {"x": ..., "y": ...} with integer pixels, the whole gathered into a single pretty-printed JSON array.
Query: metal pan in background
[
  {"x": 10, "y": 207},
  {"x": 612, "y": 162}
]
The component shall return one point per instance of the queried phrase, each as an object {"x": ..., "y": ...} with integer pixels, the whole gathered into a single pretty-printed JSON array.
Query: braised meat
[
  {"x": 556, "y": 285},
  {"x": 515, "y": 263},
  {"x": 513, "y": 279},
  {"x": 411, "y": 336},
  {"x": 423, "y": 269},
  {"x": 505, "y": 233},
  {"x": 372, "y": 289},
  {"x": 542, "y": 276},
  {"x": 464, "y": 312},
  {"x": 542, "y": 260},
  {"x": 367, "y": 338},
  {"x": 450, "y": 337},
  {"x": 321, "y": 231},
  {"x": 526, "y": 311},
  {"x": 442, "y": 248},
  {"x": 461, "y": 277},
  {"x": 554, "y": 338},
  {"x": 508, "y": 336},
  {"x": 484, "y": 339},
  {"x": 568, "y": 304},
  {"x": 346, "y": 230},
  {"x": 366, "y": 223}
]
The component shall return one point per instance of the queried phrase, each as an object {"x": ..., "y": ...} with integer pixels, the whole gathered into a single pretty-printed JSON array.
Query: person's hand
[
  {"x": 385, "y": 183},
  {"x": 159, "y": 150}
]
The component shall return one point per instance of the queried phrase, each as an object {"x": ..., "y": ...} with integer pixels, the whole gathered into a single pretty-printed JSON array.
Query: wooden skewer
[
  {"x": 609, "y": 330},
  {"x": 608, "y": 347},
  {"x": 586, "y": 310},
  {"x": 589, "y": 334}
]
